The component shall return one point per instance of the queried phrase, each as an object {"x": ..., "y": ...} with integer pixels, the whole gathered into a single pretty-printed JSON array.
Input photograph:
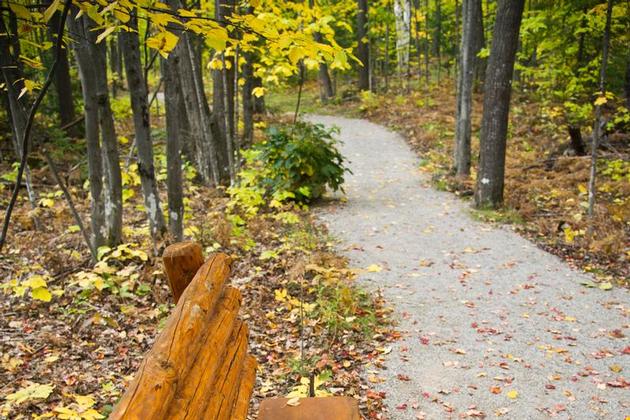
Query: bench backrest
[{"x": 198, "y": 367}]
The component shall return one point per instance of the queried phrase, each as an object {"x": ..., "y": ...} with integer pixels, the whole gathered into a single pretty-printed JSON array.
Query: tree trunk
[
  {"x": 363, "y": 49},
  {"x": 109, "y": 140},
  {"x": 577, "y": 142},
  {"x": 115, "y": 65},
  {"x": 464, "y": 91},
  {"x": 172, "y": 100},
  {"x": 627, "y": 83},
  {"x": 223, "y": 103},
  {"x": 62, "y": 81},
  {"x": 94, "y": 156},
  {"x": 402, "y": 13},
  {"x": 207, "y": 146},
  {"x": 478, "y": 40},
  {"x": 326, "y": 91},
  {"x": 248, "y": 100},
  {"x": 130, "y": 49},
  {"x": 598, "y": 125},
  {"x": 496, "y": 104},
  {"x": 437, "y": 40},
  {"x": 427, "y": 75}
]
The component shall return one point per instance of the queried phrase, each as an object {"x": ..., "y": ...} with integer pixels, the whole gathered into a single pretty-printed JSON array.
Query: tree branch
[{"x": 29, "y": 123}]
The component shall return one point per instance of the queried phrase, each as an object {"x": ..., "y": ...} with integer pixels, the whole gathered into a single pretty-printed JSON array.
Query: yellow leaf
[
  {"x": 294, "y": 402},
  {"x": 104, "y": 34},
  {"x": 164, "y": 42},
  {"x": 84, "y": 401},
  {"x": 512, "y": 394},
  {"x": 374, "y": 268},
  {"x": 35, "y": 281},
  {"x": 600, "y": 101},
  {"x": 281, "y": 295},
  {"x": 47, "y": 202},
  {"x": 258, "y": 91},
  {"x": 41, "y": 293},
  {"x": 616, "y": 368},
  {"x": 51, "y": 10},
  {"x": 31, "y": 392},
  {"x": 20, "y": 11}
]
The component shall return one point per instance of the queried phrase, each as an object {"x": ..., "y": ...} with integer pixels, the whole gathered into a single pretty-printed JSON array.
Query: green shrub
[
  {"x": 294, "y": 164},
  {"x": 301, "y": 159}
]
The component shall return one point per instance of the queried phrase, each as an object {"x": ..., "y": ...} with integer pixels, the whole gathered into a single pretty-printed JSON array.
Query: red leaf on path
[
  {"x": 402, "y": 377},
  {"x": 619, "y": 383},
  {"x": 424, "y": 340},
  {"x": 402, "y": 406},
  {"x": 626, "y": 350},
  {"x": 375, "y": 395},
  {"x": 617, "y": 333},
  {"x": 550, "y": 386},
  {"x": 495, "y": 389},
  {"x": 474, "y": 325}
]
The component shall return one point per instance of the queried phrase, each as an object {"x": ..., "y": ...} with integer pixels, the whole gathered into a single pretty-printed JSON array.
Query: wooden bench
[{"x": 198, "y": 367}]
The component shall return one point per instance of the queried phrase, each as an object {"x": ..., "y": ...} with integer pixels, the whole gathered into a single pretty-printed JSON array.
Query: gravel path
[{"x": 492, "y": 325}]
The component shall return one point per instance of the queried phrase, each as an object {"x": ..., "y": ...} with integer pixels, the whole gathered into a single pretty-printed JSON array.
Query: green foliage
[
  {"x": 294, "y": 164},
  {"x": 616, "y": 169},
  {"x": 121, "y": 107},
  {"x": 369, "y": 101},
  {"x": 300, "y": 161}
]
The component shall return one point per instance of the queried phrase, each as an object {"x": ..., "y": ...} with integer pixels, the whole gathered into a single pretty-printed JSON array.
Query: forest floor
[
  {"x": 72, "y": 334},
  {"x": 492, "y": 325}
]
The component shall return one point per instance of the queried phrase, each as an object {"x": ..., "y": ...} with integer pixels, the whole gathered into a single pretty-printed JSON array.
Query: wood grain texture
[
  {"x": 200, "y": 382},
  {"x": 248, "y": 379},
  {"x": 326, "y": 408},
  {"x": 167, "y": 365},
  {"x": 181, "y": 262}
]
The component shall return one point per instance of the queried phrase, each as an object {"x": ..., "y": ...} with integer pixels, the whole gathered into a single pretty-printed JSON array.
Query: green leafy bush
[
  {"x": 294, "y": 164},
  {"x": 301, "y": 160}
]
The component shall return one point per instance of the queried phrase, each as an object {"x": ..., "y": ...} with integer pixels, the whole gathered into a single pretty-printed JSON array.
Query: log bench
[{"x": 199, "y": 367}]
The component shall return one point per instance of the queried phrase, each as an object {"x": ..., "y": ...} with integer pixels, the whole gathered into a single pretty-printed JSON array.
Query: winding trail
[{"x": 491, "y": 324}]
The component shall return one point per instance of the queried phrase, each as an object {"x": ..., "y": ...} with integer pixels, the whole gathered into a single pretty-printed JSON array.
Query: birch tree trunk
[
  {"x": 130, "y": 49},
  {"x": 496, "y": 104},
  {"x": 402, "y": 13}
]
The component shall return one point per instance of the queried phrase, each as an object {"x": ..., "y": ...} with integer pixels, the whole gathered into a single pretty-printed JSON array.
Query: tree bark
[
  {"x": 223, "y": 101},
  {"x": 598, "y": 125},
  {"x": 248, "y": 101},
  {"x": 62, "y": 82},
  {"x": 130, "y": 49},
  {"x": 496, "y": 104},
  {"x": 478, "y": 40},
  {"x": 90, "y": 108},
  {"x": 17, "y": 107},
  {"x": 464, "y": 91},
  {"x": 172, "y": 101},
  {"x": 363, "y": 49},
  {"x": 203, "y": 131},
  {"x": 111, "y": 159},
  {"x": 577, "y": 142},
  {"x": 402, "y": 13}
]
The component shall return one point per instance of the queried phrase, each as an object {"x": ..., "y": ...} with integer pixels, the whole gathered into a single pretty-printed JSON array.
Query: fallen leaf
[{"x": 513, "y": 394}]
